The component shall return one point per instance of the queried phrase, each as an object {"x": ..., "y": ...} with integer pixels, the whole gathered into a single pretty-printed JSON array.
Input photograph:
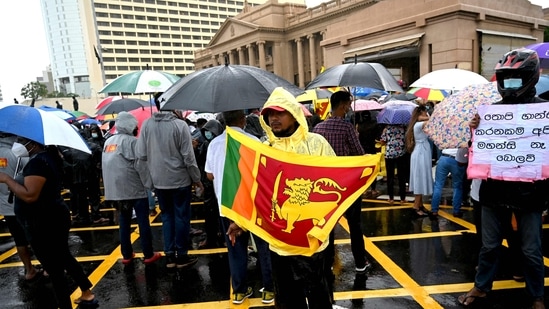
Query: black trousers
[
  {"x": 300, "y": 279},
  {"x": 49, "y": 239}
]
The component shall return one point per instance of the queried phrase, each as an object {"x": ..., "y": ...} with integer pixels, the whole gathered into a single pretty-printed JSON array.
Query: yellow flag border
[{"x": 316, "y": 234}]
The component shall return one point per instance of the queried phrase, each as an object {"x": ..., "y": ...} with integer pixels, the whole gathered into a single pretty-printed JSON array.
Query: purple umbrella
[
  {"x": 396, "y": 114},
  {"x": 542, "y": 49}
]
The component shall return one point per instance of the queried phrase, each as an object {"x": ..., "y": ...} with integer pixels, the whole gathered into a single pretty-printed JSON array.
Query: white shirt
[{"x": 215, "y": 160}]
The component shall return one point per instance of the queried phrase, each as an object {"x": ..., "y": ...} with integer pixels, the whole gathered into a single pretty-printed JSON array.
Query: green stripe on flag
[{"x": 231, "y": 174}]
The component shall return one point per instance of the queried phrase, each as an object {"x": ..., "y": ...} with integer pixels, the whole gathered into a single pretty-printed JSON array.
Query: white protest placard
[{"x": 511, "y": 142}]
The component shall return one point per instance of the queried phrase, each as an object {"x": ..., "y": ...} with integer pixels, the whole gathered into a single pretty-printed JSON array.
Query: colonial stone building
[{"x": 409, "y": 37}]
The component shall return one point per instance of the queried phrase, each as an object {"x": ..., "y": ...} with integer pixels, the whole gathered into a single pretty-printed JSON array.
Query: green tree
[{"x": 34, "y": 90}]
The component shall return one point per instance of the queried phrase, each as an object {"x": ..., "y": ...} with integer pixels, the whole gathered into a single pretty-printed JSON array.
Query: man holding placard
[{"x": 508, "y": 153}]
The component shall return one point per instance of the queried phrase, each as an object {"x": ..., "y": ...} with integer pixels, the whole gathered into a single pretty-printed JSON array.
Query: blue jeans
[
  {"x": 175, "y": 207},
  {"x": 529, "y": 222},
  {"x": 238, "y": 258},
  {"x": 124, "y": 221},
  {"x": 264, "y": 256},
  {"x": 445, "y": 166}
]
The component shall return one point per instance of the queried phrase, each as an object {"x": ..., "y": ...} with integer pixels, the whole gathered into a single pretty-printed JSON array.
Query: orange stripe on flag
[{"x": 243, "y": 203}]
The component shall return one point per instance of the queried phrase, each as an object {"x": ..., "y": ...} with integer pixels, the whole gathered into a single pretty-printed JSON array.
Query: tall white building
[
  {"x": 128, "y": 35},
  {"x": 69, "y": 64}
]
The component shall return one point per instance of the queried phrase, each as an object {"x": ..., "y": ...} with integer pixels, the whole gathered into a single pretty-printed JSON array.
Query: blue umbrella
[
  {"x": 40, "y": 126},
  {"x": 61, "y": 113},
  {"x": 542, "y": 87},
  {"x": 396, "y": 114},
  {"x": 90, "y": 121}
]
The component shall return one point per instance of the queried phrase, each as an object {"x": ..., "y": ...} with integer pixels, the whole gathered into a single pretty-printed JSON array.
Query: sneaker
[
  {"x": 155, "y": 257},
  {"x": 185, "y": 261},
  {"x": 240, "y": 297},
  {"x": 170, "y": 261},
  {"x": 128, "y": 261},
  {"x": 365, "y": 268},
  {"x": 267, "y": 297}
]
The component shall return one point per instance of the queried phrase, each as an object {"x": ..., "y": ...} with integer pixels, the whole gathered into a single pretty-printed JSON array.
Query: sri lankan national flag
[{"x": 292, "y": 201}]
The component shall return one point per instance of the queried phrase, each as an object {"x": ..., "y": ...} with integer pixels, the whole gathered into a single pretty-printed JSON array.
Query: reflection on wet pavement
[{"x": 417, "y": 263}]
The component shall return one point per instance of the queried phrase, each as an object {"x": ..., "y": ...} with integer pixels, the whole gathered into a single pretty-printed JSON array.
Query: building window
[
  {"x": 117, "y": 25},
  {"x": 100, "y": 5},
  {"x": 162, "y": 11},
  {"x": 166, "y": 44},
  {"x": 118, "y": 33},
  {"x": 119, "y": 42},
  {"x": 145, "y": 59},
  {"x": 151, "y": 10},
  {"x": 142, "y": 35},
  {"x": 127, "y": 8},
  {"x": 153, "y": 35},
  {"x": 152, "y": 18},
  {"x": 133, "y": 43},
  {"x": 139, "y": 9},
  {"x": 145, "y": 51},
  {"x": 155, "y": 52},
  {"x": 121, "y": 59},
  {"x": 129, "y": 25},
  {"x": 115, "y": 15},
  {"x": 120, "y": 51},
  {"x": 114, "y": 7},
  {"x": 122, "y": 68},
  {"x": 133, "y": 60}
]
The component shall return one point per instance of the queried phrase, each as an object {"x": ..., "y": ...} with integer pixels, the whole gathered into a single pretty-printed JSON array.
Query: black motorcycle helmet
[{"x": 517, "y": 73}]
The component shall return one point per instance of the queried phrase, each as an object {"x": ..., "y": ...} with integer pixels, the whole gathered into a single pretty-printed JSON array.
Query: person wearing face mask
[
  {"x": 9, "y": 162},
  {"x": 343, "y": 137},
  {"x": 96, "y": 143},
  {"x": 299, "y": 281},
  {"x": 45, "y": 217},
  {"x": 517, "y": 74},
  {"x": 209, "y": 131}
]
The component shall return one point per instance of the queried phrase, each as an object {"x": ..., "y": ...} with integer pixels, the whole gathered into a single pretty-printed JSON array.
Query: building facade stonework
[{"x": 409, "y": 37}]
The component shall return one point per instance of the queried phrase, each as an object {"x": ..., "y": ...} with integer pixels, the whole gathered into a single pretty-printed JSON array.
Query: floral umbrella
[
  {"x": 365, "y": 105},
  {"x": 449, "y": 124}
]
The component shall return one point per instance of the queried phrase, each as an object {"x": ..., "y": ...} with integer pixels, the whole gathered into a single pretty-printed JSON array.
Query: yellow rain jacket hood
[{"x": 301, "y": 141}]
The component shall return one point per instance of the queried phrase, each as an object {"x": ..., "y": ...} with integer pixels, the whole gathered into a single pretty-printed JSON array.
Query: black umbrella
[
  {"x": 402, "y": 97},
  {"x": 122, "y": 105},
  {"x": 362, "y": 74},
  {"x": 223, "y": 88}
]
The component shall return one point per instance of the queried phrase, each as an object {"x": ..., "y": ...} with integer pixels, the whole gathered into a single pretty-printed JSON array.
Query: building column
[
  {"x": 262, "y": 59},
  {"x": 312, "y": 55},
  {"x": 251, "y": 56},
  {"x": 231, "y": 57},
  {"x": 300, "y": 70},
  {"x": 241, "y": 56},
  {"x": 214, "y": 60}
]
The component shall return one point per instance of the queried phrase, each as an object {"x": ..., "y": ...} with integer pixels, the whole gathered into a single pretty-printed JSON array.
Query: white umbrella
[
  {"x": 449, "y": 79},
  {"x": 40, "y": 126},
  {"x": 147, "y": 81}
]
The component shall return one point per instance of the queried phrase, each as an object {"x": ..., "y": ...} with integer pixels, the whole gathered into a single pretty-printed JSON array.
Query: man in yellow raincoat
[{"x": 299, "y": 281}]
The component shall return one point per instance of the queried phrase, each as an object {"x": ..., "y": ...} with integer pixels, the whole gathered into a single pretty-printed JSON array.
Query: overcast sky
[{"x": 23, "y": 47}]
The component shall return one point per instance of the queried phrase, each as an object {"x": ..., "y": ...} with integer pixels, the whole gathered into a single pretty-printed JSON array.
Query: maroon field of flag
[{"x": 291, "y": 201}]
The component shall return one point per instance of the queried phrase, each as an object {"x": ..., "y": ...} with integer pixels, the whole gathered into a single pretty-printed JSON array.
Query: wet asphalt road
[{"x": 417, "y": 263}]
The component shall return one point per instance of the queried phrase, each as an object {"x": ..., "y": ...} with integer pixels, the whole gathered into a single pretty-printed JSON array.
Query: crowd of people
[{"x": 192, "y": 160}]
